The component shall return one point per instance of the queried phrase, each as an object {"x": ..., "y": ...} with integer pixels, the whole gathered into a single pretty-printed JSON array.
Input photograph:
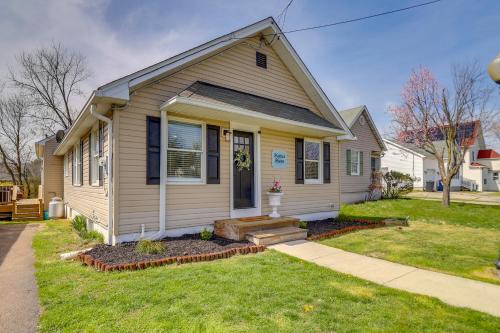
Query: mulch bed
[
  {"x": 184, "y": 249},
  {"x": 331, "y": 227}
]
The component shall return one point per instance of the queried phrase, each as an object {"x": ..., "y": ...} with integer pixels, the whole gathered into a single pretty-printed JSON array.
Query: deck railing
[{"x": 5, "y": 194}]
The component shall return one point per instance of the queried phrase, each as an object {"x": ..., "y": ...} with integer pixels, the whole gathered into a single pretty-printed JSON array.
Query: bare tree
[
  {"x": 50, "y": 77},
  {"x": 442, "y": 121},
  {"x": 16, "y": 137}
]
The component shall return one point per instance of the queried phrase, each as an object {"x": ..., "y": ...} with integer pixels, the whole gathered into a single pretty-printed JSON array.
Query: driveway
[
  {"x": 482, "y": 198},
  {"x": 19, "y": 307}
]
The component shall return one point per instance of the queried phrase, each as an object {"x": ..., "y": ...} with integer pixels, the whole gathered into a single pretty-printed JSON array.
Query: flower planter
[{"x": 274, "y": 202}]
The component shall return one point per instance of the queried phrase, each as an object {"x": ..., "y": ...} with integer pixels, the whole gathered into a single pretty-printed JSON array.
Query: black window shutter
[
  {"x": 81, "y": 162},
  {"x": 213, "y": 154},
  {"x": 153, "y": 150},
  {"x": 101, "y": 151},
  {"x": 326, "y": 162},
  {"x": 90, "y": 158},
  {"x": 299, "y": 161}
]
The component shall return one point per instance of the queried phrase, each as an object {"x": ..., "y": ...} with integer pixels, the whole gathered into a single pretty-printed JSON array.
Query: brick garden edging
[
  {"x": 369, "y": 225},
  {"x": 104, "y": 267}
]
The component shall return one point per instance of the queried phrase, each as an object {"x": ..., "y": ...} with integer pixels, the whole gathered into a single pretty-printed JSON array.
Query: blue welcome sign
[{"x": 279, "y": 159}]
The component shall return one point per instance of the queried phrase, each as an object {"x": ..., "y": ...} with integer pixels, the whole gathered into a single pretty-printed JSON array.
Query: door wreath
[{"x": 242, "y": 159}]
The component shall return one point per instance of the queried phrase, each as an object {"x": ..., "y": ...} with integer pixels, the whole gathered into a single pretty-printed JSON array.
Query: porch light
[
  {"x": 494, "y": 69},
  {"x": 227, "y": 135}
]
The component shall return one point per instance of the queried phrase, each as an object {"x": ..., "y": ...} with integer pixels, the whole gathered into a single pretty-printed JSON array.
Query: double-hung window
[
  {"x": 77, "y": 165},
  {"x": 355, "y": 163},
  {"x": 94, "y": 157},
  {"x": 312, "y": 162},
  {"x": 185, "y": 152}
]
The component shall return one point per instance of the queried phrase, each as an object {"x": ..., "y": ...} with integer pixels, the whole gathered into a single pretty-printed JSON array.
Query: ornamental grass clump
[
  {"x": 79, "y": 223},
  {"x": 146, "y": 246}
]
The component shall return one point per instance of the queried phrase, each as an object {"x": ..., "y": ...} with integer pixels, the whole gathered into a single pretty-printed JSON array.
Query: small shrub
[
  {"x": 396, "y": 184},
  {"x": 147, "y": 246},
  {"x": 303, "y": 225},
  {"x": 79, "y": 223},
  {"x": 206, "y": 234},
  {"x": 93, "y": 235}
]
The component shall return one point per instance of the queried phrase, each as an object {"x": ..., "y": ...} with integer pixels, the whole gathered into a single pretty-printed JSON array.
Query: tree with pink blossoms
[{"x": 444, "y": 121}]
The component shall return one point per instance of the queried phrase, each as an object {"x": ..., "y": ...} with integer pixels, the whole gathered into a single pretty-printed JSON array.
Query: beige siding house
[
  {"x": 360, "y": 157},
  {"x": 154, "y": 152},
  {"x": 52, "y": 169}
]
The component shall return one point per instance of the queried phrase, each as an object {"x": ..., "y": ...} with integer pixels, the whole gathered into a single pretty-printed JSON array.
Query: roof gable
[
  {"x": 120, "y": 88},
  {"x": 351, "y": 117},
  {"x": 118, "y": 91}
]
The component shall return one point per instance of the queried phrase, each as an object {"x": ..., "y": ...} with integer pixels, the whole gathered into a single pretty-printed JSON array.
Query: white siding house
[{"x": 405, "y": 160}]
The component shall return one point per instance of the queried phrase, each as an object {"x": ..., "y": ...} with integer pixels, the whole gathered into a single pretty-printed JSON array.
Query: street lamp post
[{"x": 494, "y": 69}]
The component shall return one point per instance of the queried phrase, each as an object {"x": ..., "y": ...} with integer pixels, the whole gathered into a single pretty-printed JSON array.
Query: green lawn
[
  {"x": 267, "y": 292},
  {"x": 463, "y": 240}
]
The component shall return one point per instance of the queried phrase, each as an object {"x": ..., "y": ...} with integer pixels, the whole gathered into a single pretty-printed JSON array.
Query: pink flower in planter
[{"x": 276, "y": 188}]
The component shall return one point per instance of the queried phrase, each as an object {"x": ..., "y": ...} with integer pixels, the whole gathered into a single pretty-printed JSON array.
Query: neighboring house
[
  {"x": 51, "y": 169},
  {"x": 154, "y": 151},
  {"x": 359, "y": 158},
  {"x": 479, "y": 172}
]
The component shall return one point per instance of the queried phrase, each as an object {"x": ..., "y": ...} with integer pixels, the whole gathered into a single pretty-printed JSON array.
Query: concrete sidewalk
[
  {"x": 19, "y": 307},
  {"x": 479, "y": 198},
  {"x": 450, "y": 289}
]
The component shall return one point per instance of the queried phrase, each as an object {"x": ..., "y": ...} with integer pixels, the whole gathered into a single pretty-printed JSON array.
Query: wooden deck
[{"x": 22, "y": 209}]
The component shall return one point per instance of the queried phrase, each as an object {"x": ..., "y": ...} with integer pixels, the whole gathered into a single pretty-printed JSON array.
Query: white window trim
[
  {"x": 357, "y": 153},
  {"x": 66, "y": 165},
  {"x": 76, "y": 164},
  {"x": 320, "y": 162},
  {"x": 94, "y": 169},
  {"x": 189, "y": 181}
]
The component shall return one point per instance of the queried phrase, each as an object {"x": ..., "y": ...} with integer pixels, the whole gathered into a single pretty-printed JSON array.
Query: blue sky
[{"x": 365, "y": 62}]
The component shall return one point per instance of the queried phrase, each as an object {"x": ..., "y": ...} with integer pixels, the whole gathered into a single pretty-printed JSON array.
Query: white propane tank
[{"x": 56, "y": 208}]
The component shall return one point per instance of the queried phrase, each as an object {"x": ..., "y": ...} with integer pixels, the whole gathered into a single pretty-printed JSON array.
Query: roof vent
[{"x": 261, "y": 59}]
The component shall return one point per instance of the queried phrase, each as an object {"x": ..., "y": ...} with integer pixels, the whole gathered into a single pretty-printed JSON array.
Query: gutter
[{"x": 109, "y": 122}]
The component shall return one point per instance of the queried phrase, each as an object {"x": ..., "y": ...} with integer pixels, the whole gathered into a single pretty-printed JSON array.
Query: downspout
[{"x": 109, "y": 123}]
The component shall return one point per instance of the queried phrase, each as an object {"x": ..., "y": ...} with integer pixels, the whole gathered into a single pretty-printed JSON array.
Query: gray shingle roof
[
  {"x": 225, "y": 96},
  {"x": 412, "y": 147}
]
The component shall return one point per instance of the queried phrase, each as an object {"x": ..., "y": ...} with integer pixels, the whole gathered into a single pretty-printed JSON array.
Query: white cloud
[{"x": 82, "y": 26}]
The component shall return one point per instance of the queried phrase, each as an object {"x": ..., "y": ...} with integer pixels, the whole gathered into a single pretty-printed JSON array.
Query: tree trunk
[{"x": 446, "y": 194}]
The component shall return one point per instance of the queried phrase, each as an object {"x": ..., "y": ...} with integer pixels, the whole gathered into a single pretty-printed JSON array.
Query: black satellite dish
[{"x": 59, "y": 135}]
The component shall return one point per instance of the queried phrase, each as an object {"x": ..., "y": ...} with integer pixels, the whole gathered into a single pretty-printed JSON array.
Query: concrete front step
[
  {"x": 238, "y": 228},
  {"x": 276, "y": 235}
]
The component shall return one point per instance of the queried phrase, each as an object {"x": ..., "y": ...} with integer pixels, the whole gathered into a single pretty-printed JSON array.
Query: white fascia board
[
  {"x": 119, "y": 92},
  {"x": 244, "y": 112},
  {"x": 347, "y": 137}
]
